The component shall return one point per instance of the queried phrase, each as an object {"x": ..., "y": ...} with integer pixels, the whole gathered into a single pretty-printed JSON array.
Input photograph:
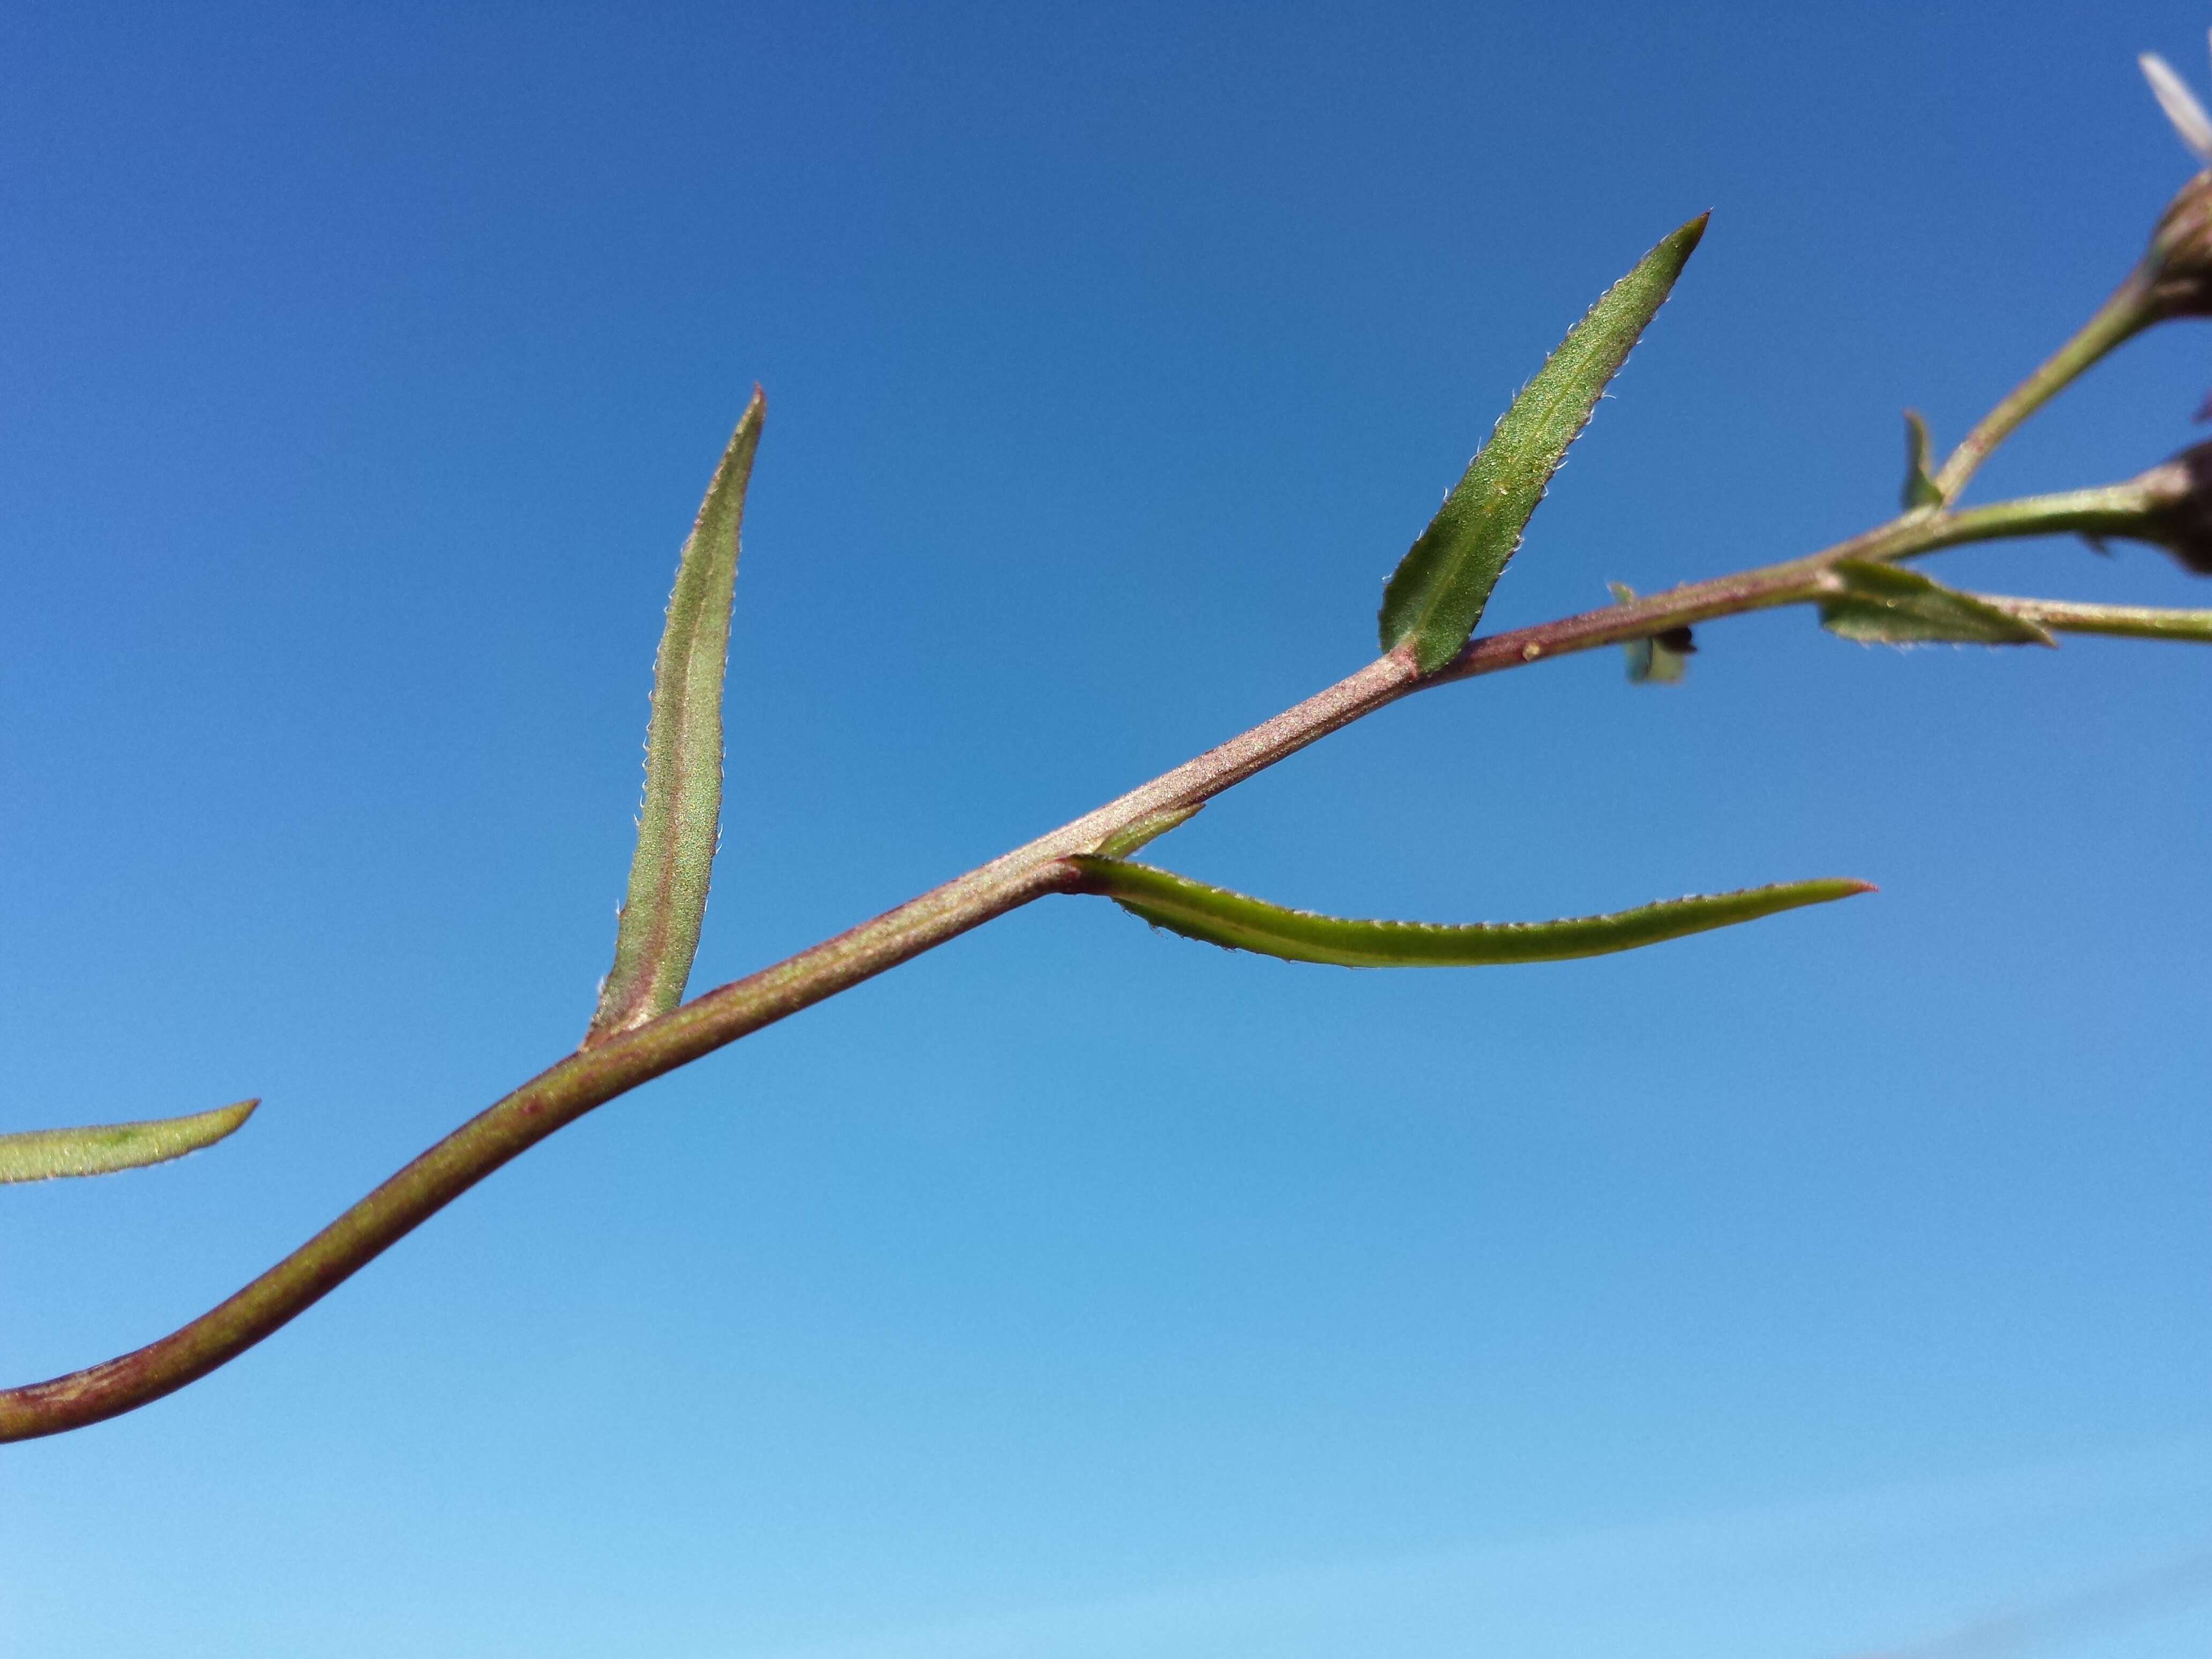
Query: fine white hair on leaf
[{"x": 2179, "y": 104}]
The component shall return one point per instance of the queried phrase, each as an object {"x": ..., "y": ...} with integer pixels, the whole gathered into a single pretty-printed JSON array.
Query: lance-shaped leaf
[
  {"x": 1887, "y": 605},
  {"x": 104, "y": 1148},
  {"x": 1920, "y": 487},
  {"x": 1237, "y": 922},
  {"x": 679, "y": 822},
  {"x": 1436, "y": 596},
  {"x": 1661, "y": 658}
]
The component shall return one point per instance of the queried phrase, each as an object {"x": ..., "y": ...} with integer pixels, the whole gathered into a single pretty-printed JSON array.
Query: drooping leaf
[
  {"x": 1436, "y": 596},
  {"x": 1237, "y": 922},
  {"x": 1920, "y": 488},
  {"x": 1660, "y": 658},
  {"x": 104, "y": 1148},
  {"x": 1888, "y": 605},
  {"x": 679, "y": 822}
]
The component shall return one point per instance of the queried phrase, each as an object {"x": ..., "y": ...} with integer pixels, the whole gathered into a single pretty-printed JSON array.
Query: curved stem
[
  {"x": 565, "y": 1092},
  {"x": 561, "y": 1095},
  {"x": 2119, "y": 319},
  {"x": 548, "y": 1102}
]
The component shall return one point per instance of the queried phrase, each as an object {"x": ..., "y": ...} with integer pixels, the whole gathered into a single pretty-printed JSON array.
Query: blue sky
[{"x": 1816, "y": 1288}]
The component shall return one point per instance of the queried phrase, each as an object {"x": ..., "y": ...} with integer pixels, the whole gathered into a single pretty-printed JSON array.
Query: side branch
[{"x": 2127, "y": 313}]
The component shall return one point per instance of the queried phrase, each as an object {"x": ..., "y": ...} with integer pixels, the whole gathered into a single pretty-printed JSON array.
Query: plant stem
[
  {"x": 561, "y": 1095},
  {"x": 2119, "y": 319},
  {"x": 566, "y": 1091},
  {"x": 2133, "y": 622},
  {"x": 2107, "y": 510}
]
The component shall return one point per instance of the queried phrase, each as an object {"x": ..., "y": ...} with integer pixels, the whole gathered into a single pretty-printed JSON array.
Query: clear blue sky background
[{"x": 1808, "y": 1289}]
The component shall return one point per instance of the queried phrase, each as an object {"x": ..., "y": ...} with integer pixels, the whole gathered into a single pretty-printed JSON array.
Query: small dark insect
[{"x": 1676, "y": 640}]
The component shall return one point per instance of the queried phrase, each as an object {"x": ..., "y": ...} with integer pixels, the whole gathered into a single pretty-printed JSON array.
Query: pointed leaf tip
[
  {"x": 1145, "y": 831},
  {"x": 1436, "y": 597},
  {"x": 1236, "y": 921},
  {"x": 679, "y": 822},
  {"x": 105, "y": 1148},
  {"x": 1920, "y": 488}
]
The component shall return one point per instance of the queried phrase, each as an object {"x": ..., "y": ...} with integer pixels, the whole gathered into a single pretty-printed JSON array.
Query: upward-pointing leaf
[
  {"x": 1434, "y": 597},
  {"x": 104, "y": 1148},
  {"x": 679, "y": 822},
  {"x": 1920, "y": 487}
]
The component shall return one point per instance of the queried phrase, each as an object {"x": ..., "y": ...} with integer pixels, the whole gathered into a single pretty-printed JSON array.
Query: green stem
[
  {"x": 565, "y": 1092},
  {"x": 2132, "y": 622},
  {"x": 2121, "y": 509},
  {"x": 2126, "y": 314}
]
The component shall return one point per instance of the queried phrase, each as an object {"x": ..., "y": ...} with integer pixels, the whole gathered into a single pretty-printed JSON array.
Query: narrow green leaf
[
  {"x": 678, "y": 825},
  {"x": 1920, "y": 487},
  {"x": 1888, "y": 605},
  {"x": 1658, "y": 659},
  {"x": 104, "y": 1148},
  {"x": 1236, "y": 923},
  {"x": 1436, "y": 596}
]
